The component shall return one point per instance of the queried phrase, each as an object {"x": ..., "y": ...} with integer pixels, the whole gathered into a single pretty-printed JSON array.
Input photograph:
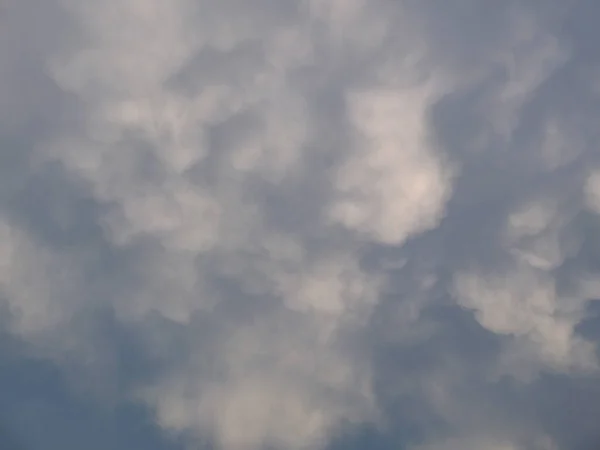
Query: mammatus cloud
[{"x": 306, "y": 218}]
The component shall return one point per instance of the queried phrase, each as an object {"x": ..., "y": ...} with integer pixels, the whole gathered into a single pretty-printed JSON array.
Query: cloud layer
[{"x": 307, "y": 225}]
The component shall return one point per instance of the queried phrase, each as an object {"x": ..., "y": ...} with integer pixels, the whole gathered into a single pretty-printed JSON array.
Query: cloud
[
  {"x": 304, "y": 219},
  {"x": 395, "y": 186}
]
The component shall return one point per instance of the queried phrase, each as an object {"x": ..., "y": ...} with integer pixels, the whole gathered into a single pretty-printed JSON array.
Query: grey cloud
[{"x": 293, "y": 225}]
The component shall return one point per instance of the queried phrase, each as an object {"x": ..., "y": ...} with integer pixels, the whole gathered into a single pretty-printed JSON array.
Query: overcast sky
[{"x": 299, "y": 225}]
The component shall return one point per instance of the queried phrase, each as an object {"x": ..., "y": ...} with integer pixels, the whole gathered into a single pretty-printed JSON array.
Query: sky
[{"x": 299, "y": 225}]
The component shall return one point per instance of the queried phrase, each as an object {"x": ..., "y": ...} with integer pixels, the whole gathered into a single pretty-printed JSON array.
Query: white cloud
[
  {"x": 525, "y": 304},
  {"x": 395, "y": 185},
  {"x": 280, "y": 373},
  {"x": 294, "y": 189}
]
